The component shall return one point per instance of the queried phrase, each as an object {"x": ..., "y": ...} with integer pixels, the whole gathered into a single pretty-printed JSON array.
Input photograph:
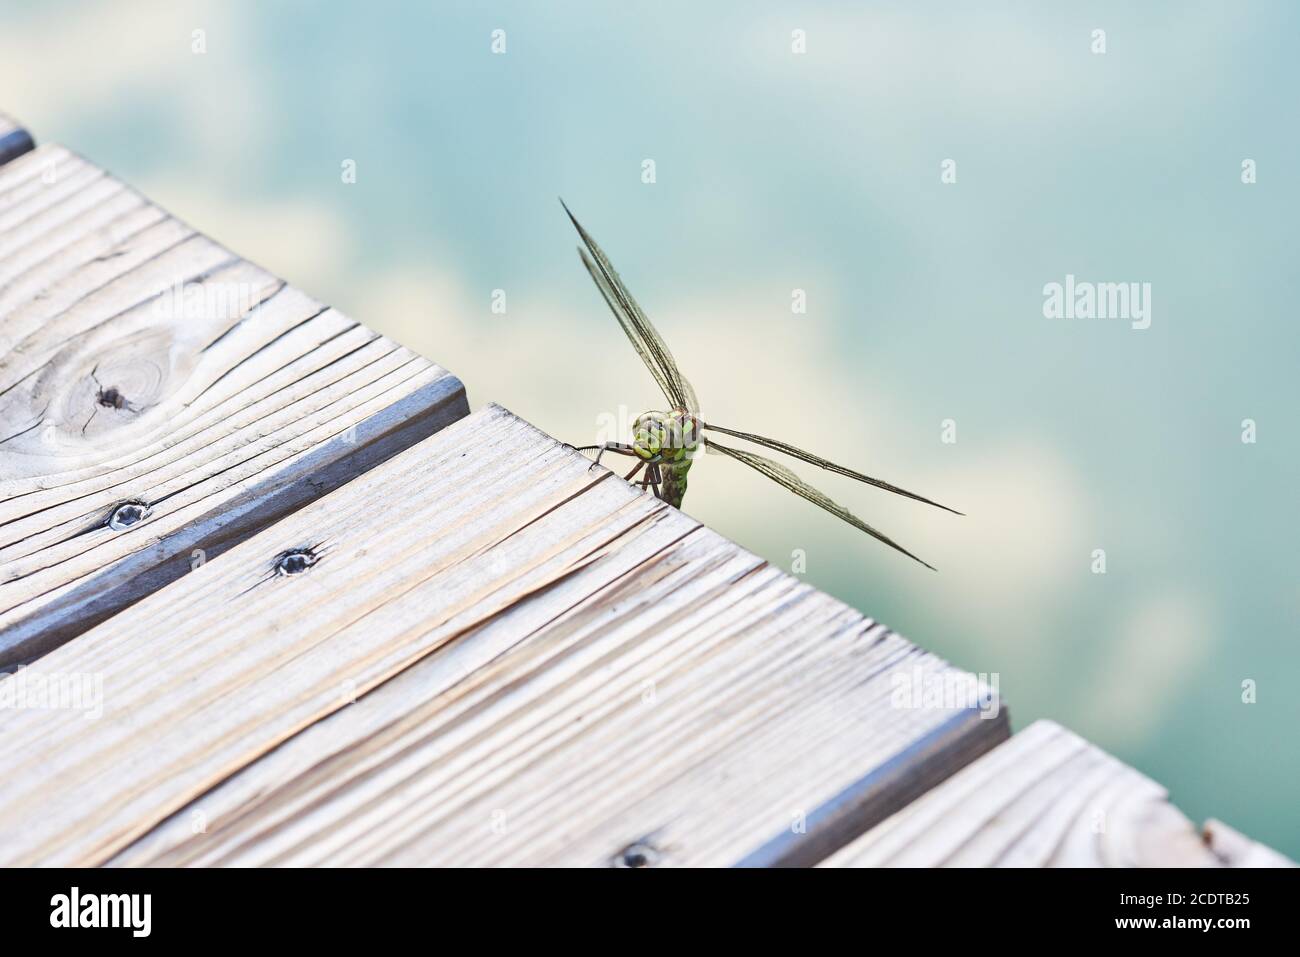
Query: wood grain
[
  {"x": 502, "y": 656},
  {"x": 14, "y": 140},
  {"x": 142, "y": 362},
  {"x": 1235, "y": 849},
  {"x": 1047, "y": 798}
]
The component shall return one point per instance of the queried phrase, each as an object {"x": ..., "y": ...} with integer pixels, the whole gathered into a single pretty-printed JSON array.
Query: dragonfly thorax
[{"x": 666, "y": 436}]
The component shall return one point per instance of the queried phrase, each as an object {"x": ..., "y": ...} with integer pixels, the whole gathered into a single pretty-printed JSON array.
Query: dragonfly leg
[
  {"x": 652, "y": 476},
  {"x": 582, "y": 448},
  {"x": 618, "y": 448},
  {"x": 632, "y": 474}
]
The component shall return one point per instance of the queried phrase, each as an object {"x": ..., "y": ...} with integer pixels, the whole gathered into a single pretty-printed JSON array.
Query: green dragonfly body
[
  {"x": 668, "y": 441},
  {"x": 666, "y": 444}
]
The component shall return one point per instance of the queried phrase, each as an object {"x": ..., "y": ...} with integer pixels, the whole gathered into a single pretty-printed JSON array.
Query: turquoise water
[{"x": 820, "y": 171}]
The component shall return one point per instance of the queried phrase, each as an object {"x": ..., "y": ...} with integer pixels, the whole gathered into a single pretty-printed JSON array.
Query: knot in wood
[
  {"x": 295, "y": 561},
  {"x": 111, "y": 398},
  {"x": 128, "y": 514},
  {"x": 638, "y": 854}
]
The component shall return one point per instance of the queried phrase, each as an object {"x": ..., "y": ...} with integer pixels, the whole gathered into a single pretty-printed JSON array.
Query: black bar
[{"x": 914, "y": 909}]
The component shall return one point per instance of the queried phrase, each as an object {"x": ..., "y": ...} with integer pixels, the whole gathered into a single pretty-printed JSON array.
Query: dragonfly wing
[
  {"x": 645, "y": 338},
  {"x": 612, "y": 301},
  {"x": 820, "y": 462},
  {"x": 784, "y": 477}
]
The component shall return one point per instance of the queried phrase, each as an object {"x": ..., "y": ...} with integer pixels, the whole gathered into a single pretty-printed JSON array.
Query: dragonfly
[{"x": 666, "y": 443}]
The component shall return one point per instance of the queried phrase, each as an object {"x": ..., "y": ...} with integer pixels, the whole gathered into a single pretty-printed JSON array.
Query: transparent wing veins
[
  {"x": 817, "y": 460},
  {"x": 787, "y": 479},
  {"x": 647, "y": 341}
]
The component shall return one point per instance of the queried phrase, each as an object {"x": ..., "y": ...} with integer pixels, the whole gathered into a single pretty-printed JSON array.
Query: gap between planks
[
  {"x": 1048, "y": 798},
  {"x": 14, "y": 140}
]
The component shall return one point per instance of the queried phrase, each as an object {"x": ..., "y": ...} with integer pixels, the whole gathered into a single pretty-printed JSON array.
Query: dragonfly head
[{"x": 672, "y": 436}]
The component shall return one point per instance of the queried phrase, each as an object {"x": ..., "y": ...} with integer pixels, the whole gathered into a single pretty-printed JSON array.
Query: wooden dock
[{"x": 287, "y": 602}]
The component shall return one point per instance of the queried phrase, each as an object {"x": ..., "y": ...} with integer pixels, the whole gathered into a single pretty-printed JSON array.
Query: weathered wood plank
[
  {"x": 141, "y": 362},
  {"x": 548, "y": 666},
  {"x": 14, "y": 140},
  {"x": 1048, "y": 798},
  {"x": 1235, "y": 849}
]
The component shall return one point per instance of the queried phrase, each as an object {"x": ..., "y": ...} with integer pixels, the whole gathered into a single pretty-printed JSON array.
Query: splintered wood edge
[
  {"x": 506, "y": 560},
  {"x": 302, "y": 765},
  {"x": 160, "y": 736},
  {"x": 94, "y": 587},
  {"x": 14, "y": 140},
  {"x": 1047, "y": 797}
]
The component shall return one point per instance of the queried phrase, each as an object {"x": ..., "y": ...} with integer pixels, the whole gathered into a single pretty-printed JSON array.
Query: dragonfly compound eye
[
  {"x": 682, "y": 435},
  {"x": 646, "y": 443}
]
